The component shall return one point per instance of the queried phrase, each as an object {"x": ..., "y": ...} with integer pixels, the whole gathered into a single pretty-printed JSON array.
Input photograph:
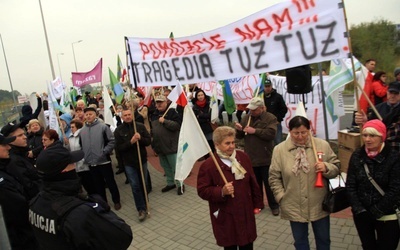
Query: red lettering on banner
[
  {"x": 172, "y": 48},
  {"x": 280, "y": 19},
  {"x": 154, "y": 49},
  {"x": 209, "y": 43},
  {"x": 262, "y": 27},
  {"x": 145, "y": 50},
  {"x": 178, "y": 50},
  {"x": 189, "y": 48},
  {"x": 164, "y": 47},
  {"x": 306, "y": 4},
  {"x": 198, "y": 43},
  {"x": 220, "y": 44}
]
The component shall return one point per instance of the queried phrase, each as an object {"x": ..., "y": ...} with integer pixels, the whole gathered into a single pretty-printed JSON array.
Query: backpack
[{"x": 116, "y": 228}]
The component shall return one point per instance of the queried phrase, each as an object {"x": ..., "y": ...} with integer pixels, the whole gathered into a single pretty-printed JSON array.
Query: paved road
[{"x": 182, "y": 222}]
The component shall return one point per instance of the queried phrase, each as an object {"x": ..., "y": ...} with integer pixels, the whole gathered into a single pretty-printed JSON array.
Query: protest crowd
[
  {"x": 59, "y": 161},
  {"x": 57, "y": 175}
]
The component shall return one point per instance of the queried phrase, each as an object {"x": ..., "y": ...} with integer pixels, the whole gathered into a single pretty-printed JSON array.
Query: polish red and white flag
[{"x": 178, "y": 96}]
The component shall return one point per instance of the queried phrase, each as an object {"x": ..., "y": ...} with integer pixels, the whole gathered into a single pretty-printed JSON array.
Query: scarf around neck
[
  {"x": 300, "y": 160},
  {"x": 201, "y": 104},
  {"x": 372, "y": 154},
  {"x": 237, "y": 170}
]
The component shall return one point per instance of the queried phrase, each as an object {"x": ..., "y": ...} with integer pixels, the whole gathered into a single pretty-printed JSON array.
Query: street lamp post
[
  {"x": 8, "y": 72},
  {"x": 47, "y": 42},
  {"x": 59, "y": 67},
  {"x": 73, "y": 52}
]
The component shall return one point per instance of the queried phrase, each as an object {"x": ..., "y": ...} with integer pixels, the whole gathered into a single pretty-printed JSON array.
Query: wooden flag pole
[{"x": 140, "y": 160}]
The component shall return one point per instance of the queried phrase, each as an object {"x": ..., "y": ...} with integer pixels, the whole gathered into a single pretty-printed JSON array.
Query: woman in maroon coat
[{"x": 232, "y": 204}]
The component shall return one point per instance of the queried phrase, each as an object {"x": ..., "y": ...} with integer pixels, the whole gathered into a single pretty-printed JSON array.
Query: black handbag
[{"x": 336, "y": 199}]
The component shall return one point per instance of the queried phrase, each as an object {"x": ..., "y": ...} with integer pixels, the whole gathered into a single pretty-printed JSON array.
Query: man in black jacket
[
  {"x": 14, "y": 200},
  {"x": 27, "y": 114},
  {"x": 19, "y": 153},
  {"x": 61, "y": 220},
  {"x": 166, "y": 124},
  {"x": 126, "y": 139},
  {"x": 275, "y": 105}
]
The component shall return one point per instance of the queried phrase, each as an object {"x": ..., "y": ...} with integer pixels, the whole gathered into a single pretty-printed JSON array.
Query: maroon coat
[{"x": 236, "y": 224}]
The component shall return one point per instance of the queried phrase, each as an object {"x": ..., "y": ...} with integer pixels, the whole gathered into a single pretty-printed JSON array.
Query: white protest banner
[
  {"x": 313, "y": 105},
  {"x": 285, "y": 35},
  {"x": 242, "y": 88}
]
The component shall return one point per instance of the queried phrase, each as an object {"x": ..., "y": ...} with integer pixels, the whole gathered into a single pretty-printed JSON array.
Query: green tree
[
  {"x": 7, "y": 95},
  {"x": 378, "y": 40}
]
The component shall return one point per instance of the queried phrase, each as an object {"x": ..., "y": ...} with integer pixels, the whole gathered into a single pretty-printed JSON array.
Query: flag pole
[
  {"x": 211, "y": 153},
  {"x": 321, "y": 79},
  {"x": 140, "y": 158},
  {"x": 355, "y": 82}
]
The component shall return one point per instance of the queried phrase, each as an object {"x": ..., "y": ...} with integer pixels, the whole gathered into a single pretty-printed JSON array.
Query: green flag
[
  {"x": 229, "y": 103},
  {"x": 116, "y": 87},
  {"x": 73, "y": 93}
]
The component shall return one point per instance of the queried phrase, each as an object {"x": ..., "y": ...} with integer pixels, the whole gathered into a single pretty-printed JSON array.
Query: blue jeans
[
  {"x": 278, "y": 136},
  {"x": 321, "y": 229},
  {"x": 135, "y": 180}
]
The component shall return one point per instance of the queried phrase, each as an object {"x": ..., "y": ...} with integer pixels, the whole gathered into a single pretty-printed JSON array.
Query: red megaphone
[{"x": 319, "y": 183}]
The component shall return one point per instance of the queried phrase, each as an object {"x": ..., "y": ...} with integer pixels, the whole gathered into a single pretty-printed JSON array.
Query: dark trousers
[
  {"x": 245, "y": 247},
  {"x": 377, "y": 235},
  {"x": 103, "y": 174},
  {"x": 262, "y": 174},
  {"x": 87, "y": 182}
]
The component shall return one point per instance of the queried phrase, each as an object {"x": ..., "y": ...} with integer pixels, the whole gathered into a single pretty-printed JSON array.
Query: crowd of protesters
[{"x": 55, "y": 176}]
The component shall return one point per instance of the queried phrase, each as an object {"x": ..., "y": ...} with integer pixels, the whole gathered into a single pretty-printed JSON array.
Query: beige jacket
[{"x": 299, "y": 199}]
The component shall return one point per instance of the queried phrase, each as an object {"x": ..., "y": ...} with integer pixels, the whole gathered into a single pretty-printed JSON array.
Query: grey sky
[{"x": 102, "y": 25}]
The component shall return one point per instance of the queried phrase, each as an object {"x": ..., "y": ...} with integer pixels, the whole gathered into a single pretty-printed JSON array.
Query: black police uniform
[
  {"x": 60, "y": 220},
  {"x": 14, "y": 203}
]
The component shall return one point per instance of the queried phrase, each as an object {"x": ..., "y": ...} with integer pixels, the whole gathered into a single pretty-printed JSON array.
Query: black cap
[
  {"x": 6, "y": 140},
  {"x": 394, "y": 87},
  {"x": 54, "y": 159},
  {"x": 267, "y": 82},
  {"x": 10, "y": 127},
  {"x": 89, "y": 109}
]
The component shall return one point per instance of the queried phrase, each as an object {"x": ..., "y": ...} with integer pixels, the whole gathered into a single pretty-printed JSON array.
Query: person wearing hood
[
  {"x": 19, "y": 153},
  {"x": 35, "y": 132},
  {"x": 61, "y": 219},
  {"x": 66, "y": 126},
  {"x": 27, "y": 114},
  {"x": 14, "y": 200}
]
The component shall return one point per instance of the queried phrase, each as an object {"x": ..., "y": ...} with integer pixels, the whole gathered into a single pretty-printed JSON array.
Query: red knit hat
[{"x": 378, "y": 125}]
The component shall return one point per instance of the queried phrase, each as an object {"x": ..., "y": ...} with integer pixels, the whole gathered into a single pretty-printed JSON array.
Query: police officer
[
  {"x": 14, "y": 201},
  {"x": 60, "y": 219}
]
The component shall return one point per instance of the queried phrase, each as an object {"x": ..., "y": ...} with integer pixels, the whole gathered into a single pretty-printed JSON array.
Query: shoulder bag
[{"x": 336, "y": 199}]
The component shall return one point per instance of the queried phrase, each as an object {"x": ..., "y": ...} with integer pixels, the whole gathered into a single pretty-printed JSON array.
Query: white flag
[
  {"x": 57, "y": 86},
  {"x": 192, "y": 145},
  {"x": 214, "y": 104},
  {"x": 300, "y": 111},
  {"x": 108, "y": 117}
]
